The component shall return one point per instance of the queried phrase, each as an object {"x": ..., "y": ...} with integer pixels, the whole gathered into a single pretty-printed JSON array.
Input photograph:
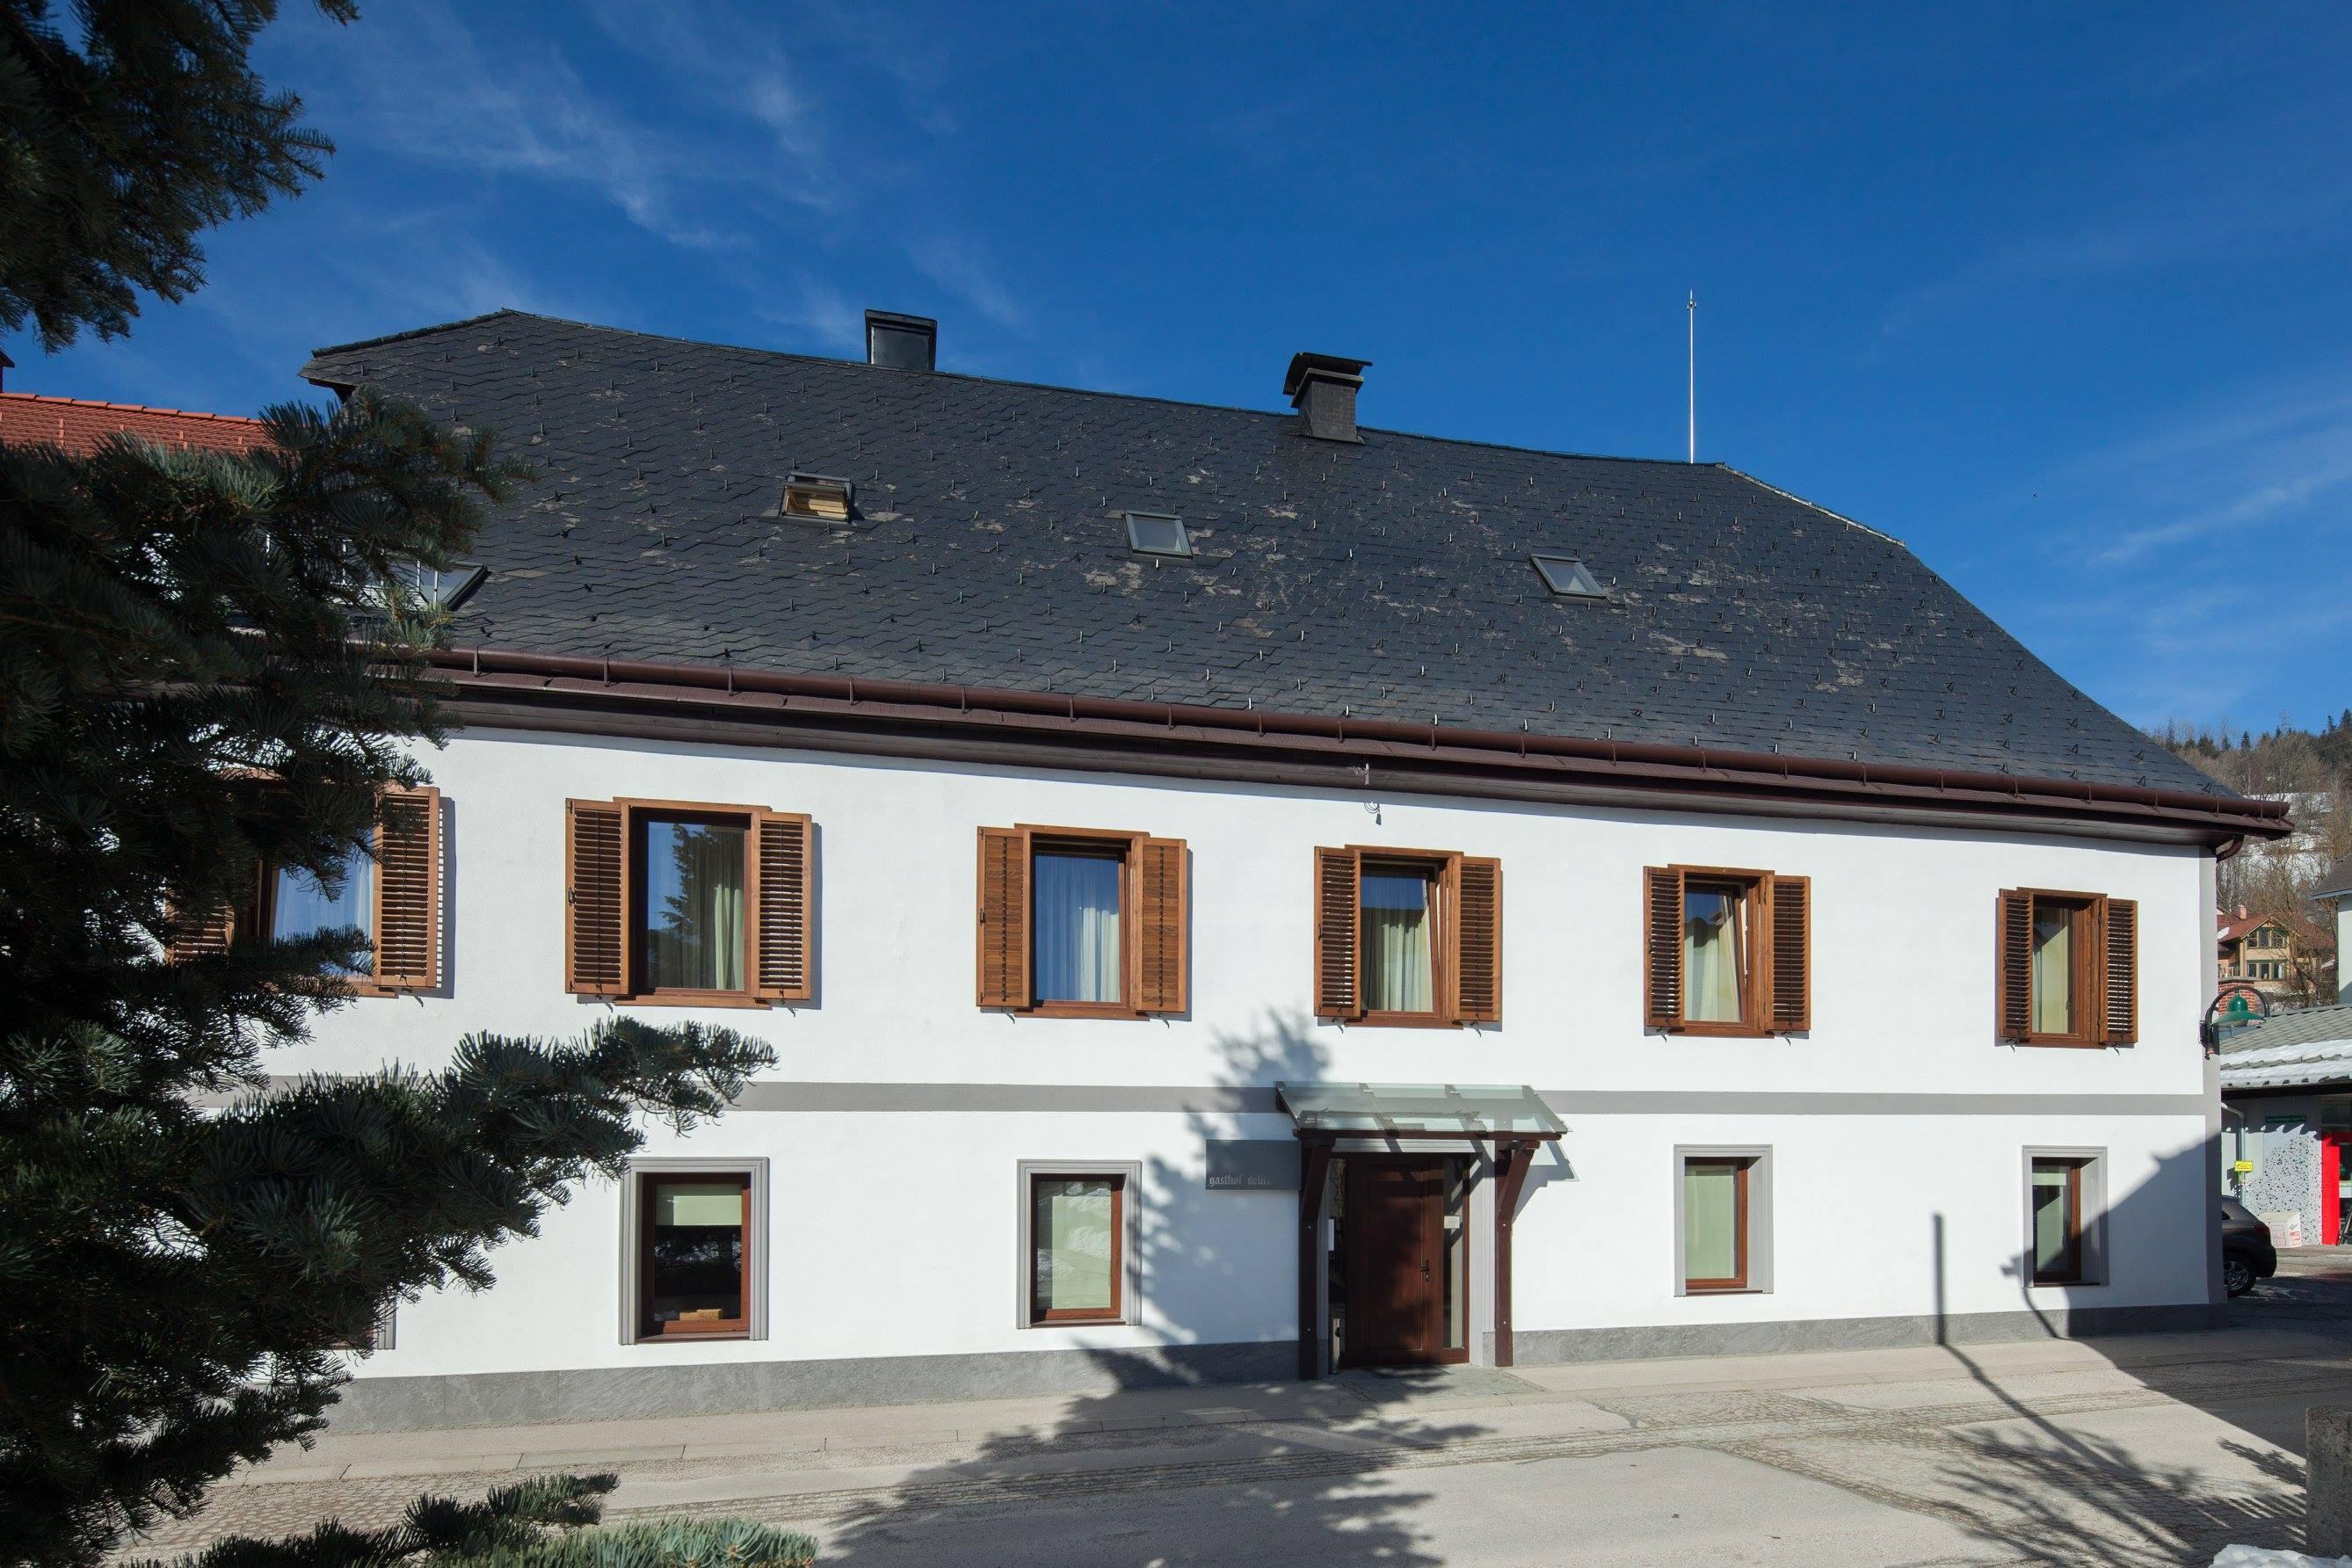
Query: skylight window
[
  {"x": 817, "y": 498},
  {"x": 444, "y": 587},
  {"x": 1569, "y": 578},
  {"x": 1151, "y": 533}
]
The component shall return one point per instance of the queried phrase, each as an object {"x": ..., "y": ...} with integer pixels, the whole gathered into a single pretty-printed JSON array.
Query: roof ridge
[
  {"x": 442, "y": 327},
  {"x": 129, "y": 407},
  {"x": 1040, "y": 386}
]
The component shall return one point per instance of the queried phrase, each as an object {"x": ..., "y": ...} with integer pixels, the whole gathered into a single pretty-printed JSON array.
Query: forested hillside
[{"x": 2312, "y": 771}]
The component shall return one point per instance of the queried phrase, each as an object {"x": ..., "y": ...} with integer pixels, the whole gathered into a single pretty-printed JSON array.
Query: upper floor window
[
  {"x": 390, "y": 892},
  {"x": 2068, "y": 968},
  {"x": 1082, "y": 922},
  {"x": 297, "y": 904},
  {"x": 1408, "y": 936},
  {"x": 1726, "y": 952},
  {"x": 687, "y": 902},
  {"x": 691, "y": 920}
]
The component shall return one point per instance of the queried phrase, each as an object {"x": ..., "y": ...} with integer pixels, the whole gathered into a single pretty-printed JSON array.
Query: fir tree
[
  {"x": 209, "y": 664},
  {"x": 120, "y": 143}
]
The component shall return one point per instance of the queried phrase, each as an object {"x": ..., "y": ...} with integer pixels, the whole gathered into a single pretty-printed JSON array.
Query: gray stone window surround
[
  {"x": 1131, "y": 1285},
  {"x": 755, "y": 1264},
  {"x": 2094, "y": 1214},
  {"x": 1760, "y": 1213}
]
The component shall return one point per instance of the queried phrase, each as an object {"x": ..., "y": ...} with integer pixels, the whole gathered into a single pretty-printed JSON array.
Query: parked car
[{"x": 2247, "y": 1254}]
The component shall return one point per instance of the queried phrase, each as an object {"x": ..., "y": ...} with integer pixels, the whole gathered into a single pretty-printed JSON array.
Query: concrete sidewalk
[
  {"x": 2147, "y": 1449},
  {"x": 1396, "y": 1401}
]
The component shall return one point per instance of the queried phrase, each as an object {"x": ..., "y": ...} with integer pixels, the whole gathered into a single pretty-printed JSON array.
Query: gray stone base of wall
[
  {"x": 610, "y": 1393},
  {"x": 1549, "y": 1347}
]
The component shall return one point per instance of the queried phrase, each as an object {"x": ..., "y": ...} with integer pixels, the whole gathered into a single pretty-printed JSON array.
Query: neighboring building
[
  {"x": 2282, "y": 957},
  {"x": 1235, "y": 892},
  {"x": 79, "y": 424},
  {"x": 2336, "y": 887},
  {"x": 2286, "y": 1091}
]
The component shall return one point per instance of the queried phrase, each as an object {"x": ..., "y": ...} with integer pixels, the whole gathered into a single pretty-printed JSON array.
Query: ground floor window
[
  {"x": 2064, "y": 1200},
  {"x": 1721, "y": 1220},
  {"x": 1076, "y": 1243},
  {"x": 693, "y": 1263},
  {"x": 2057, "y": 1222}
]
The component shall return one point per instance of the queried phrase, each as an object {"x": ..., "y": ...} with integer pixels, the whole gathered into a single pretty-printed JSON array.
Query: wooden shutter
[
  {"x": 1479, "y": 940},
  {"x": 595, "y": 899},
  {"x": 2013, "y": 966},
  {"x": 197, "y": 936},
  {"x": 1789, "y": 901},
  {"x": 1661, "y": 947},
  {"x": 2121, "y": 1003},
  {"x": 408, "y": 890},
  {"x": 782, "y": 920},
  {"x": 1003, "y": 935},
  {"x": 1337, "y": 906},
  {"x": 1163, "y": 895}
]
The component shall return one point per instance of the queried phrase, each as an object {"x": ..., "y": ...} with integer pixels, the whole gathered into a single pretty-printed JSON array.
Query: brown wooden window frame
[
  {"x": 256, "y": 911},
  {"x": 1742, "y": 1238},
  {"x": 644, "y": 1179},
  {"x": 798, "y": 928},
  {"x": 2102, "y": 956},
  {"x": 1444, "y": 871},
  {"x": 1773, "y": 963},
  {"x": 2075, "y": 1239},
  {"x": 1168, "y": 923},
  {"x": 1074, "y": 1317}
]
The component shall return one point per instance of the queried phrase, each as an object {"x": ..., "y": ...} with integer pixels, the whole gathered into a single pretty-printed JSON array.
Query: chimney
[
  {"x": 6, "y": 365},
  {"x": 901, "y": 342},
  {"x": 1322, "y": 387}
]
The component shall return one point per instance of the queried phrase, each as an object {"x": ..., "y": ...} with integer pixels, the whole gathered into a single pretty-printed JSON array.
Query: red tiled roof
[
  {"x": 78, "y": 424},
  {"x": 2230, "y": 927}
]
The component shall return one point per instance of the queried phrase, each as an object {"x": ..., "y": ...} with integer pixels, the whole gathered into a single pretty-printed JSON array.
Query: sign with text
[{"x": 1253, "y": 1164}]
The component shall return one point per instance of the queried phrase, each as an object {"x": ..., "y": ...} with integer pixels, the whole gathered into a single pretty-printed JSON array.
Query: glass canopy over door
[{"x": 1445, "y": 1109}]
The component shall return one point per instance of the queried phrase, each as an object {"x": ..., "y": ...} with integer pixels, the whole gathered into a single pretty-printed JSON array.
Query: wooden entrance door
[{"x": 1396, "y": 1258}]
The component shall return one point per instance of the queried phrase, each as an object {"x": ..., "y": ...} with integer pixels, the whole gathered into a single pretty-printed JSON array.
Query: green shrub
[{"x": 548, "y": 1522}]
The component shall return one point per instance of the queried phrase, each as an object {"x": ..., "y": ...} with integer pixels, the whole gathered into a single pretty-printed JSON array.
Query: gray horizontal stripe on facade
[
  {"x": 937, "y": 1099},
  {"x": 1049, "y": 1096},
  {"x": 965, "y": 1097}
]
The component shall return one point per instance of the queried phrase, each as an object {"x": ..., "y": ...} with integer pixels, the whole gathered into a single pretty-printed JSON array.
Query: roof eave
[{"x": 1430, "y": 750}]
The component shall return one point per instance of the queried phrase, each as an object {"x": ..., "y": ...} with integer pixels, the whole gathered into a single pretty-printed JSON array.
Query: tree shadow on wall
[{"x": 1161, "y": 1464}]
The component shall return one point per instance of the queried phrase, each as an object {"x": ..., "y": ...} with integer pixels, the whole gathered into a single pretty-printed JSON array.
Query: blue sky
[{"x": 2059, "y": 295}]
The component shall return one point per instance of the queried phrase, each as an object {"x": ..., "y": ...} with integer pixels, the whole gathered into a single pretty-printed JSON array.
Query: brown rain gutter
[{"x": 1360, "y": 742}]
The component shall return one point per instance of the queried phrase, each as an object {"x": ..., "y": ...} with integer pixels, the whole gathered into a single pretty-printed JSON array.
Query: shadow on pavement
[{"x": 1222, "y": 1491}]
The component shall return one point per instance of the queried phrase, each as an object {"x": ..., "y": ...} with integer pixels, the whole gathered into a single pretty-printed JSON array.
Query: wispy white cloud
[
  {"x": 957, "y": 267},
  {"x": 810, "y": 307},
  {"x": 425, "y": 88},
  {"x": 2169, "y": 558}
]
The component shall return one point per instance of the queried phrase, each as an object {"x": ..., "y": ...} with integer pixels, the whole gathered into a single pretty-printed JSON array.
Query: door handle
[{"x": 1424, "y": 1270}]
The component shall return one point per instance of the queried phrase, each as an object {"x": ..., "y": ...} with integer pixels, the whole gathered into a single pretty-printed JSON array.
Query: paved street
[{"x": 2152, "y": 1449}]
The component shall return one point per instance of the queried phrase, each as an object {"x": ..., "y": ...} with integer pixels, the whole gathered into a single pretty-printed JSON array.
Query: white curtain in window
[
  {"x": 1071, "y": 1226},
  {"x": 1710, "y": 1220},
  {"x": 694, "y": 905},
  {"x": 1397, "y": 968},
  {"x": 1074, "y": 938},
  {"x": 1711, "y": 952},
  {"x": 2053, "y": 971}
]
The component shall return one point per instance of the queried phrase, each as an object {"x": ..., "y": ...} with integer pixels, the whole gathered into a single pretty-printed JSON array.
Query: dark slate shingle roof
[{"x": 1386, "y": 580}]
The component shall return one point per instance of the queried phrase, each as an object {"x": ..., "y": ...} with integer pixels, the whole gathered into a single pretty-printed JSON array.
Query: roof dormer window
[
  {"x": 1155, "y": 533},
  {"x": 818, "y": 498}
]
